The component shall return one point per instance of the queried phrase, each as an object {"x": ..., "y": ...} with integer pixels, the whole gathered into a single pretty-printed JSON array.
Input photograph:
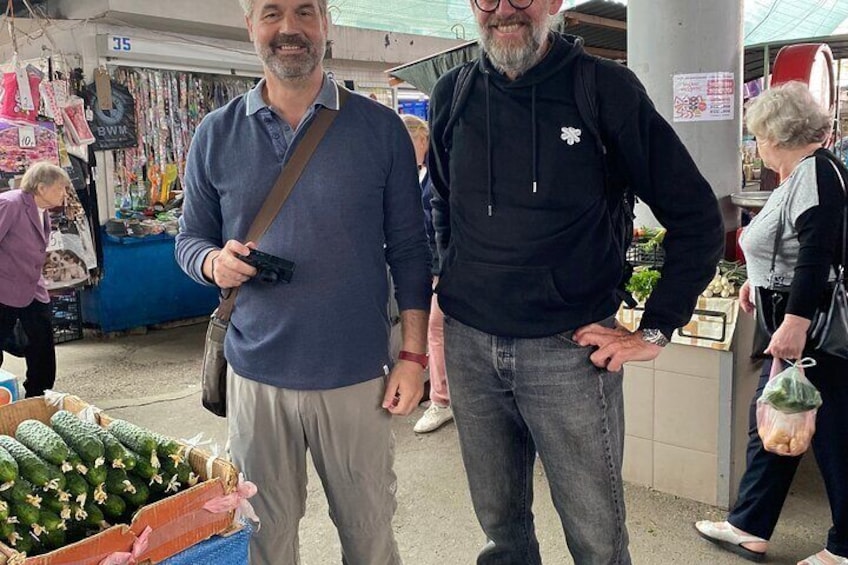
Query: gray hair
[
  {"x": 788, "y": 116},
  {"x": 247, "y": 6},
  {"x": 43, "y": 173}
]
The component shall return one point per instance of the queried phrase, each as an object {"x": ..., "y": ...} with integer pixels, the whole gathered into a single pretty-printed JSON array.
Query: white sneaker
[{"x": 434, "y": 417}]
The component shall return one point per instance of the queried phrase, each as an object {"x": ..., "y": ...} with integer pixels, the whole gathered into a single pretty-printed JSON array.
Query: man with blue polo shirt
[{"x": 309, "y": 360}]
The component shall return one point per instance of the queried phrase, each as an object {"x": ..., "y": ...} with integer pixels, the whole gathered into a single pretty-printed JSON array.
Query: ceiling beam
[
  {"x": 588, "y": 19},
  {"x": 613, "y": 54}
]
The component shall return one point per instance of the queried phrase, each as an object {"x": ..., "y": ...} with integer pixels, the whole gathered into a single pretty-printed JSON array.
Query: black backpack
[{"x": 620, "y": 196}]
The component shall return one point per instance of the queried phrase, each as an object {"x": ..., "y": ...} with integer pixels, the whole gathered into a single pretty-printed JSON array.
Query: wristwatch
[
  {"x": 655, "y": 336},
  {"x": 420, "y": 358}
]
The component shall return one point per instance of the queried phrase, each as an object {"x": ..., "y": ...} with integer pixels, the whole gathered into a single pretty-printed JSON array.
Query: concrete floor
[{"x": 151, "y": 378}]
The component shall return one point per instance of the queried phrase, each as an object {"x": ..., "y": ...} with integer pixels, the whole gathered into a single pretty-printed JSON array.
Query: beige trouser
[{"x": 349, "y": 435}]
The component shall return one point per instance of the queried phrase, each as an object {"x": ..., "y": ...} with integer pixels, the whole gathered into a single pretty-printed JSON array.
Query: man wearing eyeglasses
[{"x": 530, "y": 266}]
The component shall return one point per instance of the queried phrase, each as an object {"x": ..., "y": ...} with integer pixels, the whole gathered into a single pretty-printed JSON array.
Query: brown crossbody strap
[{"x": 283, "y": 187}]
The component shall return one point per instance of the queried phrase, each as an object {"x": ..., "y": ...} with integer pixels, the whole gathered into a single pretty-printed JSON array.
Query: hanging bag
[
  {"x": 787, "y": 408},
  {"x": 828, "y": 331},
  {"x": 214, "y": 369}
]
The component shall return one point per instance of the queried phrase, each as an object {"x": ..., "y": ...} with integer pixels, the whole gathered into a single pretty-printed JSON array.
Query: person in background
[
  {"x": 309, "y": 364},
  {"x": 24, "y": 233},
  {"x": 439, "y": 412},
  {"x": 532, "y": 258},
  {"x": 791, "y": 127}
]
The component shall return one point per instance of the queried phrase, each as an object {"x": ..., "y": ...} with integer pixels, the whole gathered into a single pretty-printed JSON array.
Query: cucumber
[
  {"x": 118, "y": 482},
  {"x": 96, "y": 476},
  {"x": 54, "y": 540},
  {"x": 27, "y": 515},
  {"x": 6, "y": 530},
  {"x": 4, "y": 511},
  {"x": 114, "y": 450},
  {"x": 57, "y": 478},
  {"x": 136, "y": 438},
  {"x": 31, "y": 466},
  {"x": 79, "y": 437},
  {"x": 75, "y": 484},
  {"x": 167, "y": 448},
  {"x": 51, "y": 521},
  {"x": 22, "y": 492},
  {"x": 138, "y": 498},
  {"x": 8, "y": 468},
  {"x": 24, "y": 542},
  {"x": 146, "y": 470},
  {"x": 43, "y": 441},
  {"x": 114, "y": 507},
  {"x": 94, "y": 515}
]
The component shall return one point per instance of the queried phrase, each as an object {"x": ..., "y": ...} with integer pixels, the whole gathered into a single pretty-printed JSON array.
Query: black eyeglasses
[{"x": 492, "y": 5}]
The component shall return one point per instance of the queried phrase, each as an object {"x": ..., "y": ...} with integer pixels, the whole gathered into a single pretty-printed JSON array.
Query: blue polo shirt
[{"x": 356, "y": 208}]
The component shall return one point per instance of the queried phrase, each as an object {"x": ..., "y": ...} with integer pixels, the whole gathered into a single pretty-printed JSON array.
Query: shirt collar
[{"x": 328, "y": 97}]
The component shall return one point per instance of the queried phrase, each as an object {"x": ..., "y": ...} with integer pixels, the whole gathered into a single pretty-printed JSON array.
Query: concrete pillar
[{"x": 674, "y": 37}]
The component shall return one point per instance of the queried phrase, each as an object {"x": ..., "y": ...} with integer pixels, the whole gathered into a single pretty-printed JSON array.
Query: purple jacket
[{"x": 23, "y": 250}]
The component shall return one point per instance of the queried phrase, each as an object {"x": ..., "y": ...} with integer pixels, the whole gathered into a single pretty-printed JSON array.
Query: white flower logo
[{"x": 571, "y": 135}]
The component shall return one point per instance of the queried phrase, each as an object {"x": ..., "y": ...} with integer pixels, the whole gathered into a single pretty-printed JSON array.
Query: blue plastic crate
[{"x": 217, "y": 550}]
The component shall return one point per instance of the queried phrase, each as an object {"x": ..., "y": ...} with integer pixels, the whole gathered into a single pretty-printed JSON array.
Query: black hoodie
[{"x": 521, "y": 215}]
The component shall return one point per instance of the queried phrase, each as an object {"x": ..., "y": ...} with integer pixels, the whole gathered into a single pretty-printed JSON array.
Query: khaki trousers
[{"x": 349, "y": 436}]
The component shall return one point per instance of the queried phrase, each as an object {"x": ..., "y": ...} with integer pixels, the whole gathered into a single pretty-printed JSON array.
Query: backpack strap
[{"x": 461, "y": 91}]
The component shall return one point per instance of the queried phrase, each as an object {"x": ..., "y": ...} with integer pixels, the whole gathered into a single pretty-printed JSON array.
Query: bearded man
[
  {"x": 532, "y": 261},
  {"x": 309, "y": 363}
]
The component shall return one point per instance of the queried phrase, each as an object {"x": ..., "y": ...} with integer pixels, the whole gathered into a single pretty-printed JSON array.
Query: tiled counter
[{"x": 687, "y": 418}]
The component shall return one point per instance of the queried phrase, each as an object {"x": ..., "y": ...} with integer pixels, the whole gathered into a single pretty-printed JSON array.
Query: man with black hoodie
[{"x": 530, "y": 269}]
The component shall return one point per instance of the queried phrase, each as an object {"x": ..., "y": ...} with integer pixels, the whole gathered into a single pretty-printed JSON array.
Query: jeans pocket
[{"x": 567, "y": 338}]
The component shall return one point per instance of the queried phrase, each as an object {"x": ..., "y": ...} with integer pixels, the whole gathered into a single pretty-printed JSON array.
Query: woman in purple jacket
[{"x": 24, "y": 232}]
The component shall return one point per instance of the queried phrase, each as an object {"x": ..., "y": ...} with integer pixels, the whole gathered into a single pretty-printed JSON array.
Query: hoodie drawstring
[
  {"x": 533, "y": 143},
  {"x": 489, "y": 145}
]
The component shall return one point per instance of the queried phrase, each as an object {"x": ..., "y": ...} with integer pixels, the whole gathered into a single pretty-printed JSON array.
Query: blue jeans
[{"x": 513, "y": 398}]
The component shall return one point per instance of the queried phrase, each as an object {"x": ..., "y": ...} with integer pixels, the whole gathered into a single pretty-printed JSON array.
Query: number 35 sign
[{"x": 120, "y": 43}]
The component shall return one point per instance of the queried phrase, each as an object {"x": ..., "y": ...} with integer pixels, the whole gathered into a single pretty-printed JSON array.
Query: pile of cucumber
[{"x": 62, "y": 482}]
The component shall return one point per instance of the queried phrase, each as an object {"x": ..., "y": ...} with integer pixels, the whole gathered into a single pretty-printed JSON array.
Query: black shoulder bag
[{"x": 828, "y": 331}]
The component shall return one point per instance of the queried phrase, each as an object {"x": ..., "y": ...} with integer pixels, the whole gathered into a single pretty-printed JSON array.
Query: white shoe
[{"x": 434, "y": 417}]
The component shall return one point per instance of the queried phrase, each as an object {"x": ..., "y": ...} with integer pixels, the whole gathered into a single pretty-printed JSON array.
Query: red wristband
[{"x": 420, "y": 358}]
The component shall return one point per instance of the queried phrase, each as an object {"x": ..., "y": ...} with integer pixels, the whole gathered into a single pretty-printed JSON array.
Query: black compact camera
[{"x": 270, "y": 269}]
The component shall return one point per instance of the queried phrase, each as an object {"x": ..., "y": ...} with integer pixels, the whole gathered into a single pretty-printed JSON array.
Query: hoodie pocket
[{"x": 485, "y": 289}]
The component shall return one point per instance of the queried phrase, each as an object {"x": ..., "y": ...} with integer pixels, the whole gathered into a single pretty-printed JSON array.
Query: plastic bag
[{"x": 786, "y": 410}]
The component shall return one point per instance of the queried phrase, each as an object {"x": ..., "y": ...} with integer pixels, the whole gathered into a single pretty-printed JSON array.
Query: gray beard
[
  {"x": 294, "y": 68},
  {"x": 514, "y": 60}
]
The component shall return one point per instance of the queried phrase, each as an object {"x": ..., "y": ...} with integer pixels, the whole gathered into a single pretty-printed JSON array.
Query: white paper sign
[
  {"x": 704, "y": 97},
  {"x": 26, "y": 137},
  {"x": 24, "y": 92}
]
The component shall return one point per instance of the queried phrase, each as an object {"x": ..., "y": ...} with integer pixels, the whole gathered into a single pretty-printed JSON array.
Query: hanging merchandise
[
  {"x": 76, "y": 127},
  {"x": 19, "y": 94},
  {"x": 113, "y": 128},
  {"x": 148, "y": 172},
  {"x": 70, "y": 250},
  {"x": 24, "y": 144}
]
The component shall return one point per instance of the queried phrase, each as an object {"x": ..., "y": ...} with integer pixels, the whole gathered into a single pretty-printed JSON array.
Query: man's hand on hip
[
  {"x": 225, "y": 269},
  {"x": 404, "y": 388},
  {"x": 616, "y": 346}
]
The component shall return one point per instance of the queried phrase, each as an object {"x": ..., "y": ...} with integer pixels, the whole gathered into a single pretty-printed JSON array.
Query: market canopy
[{"x": 603, "y": 26}]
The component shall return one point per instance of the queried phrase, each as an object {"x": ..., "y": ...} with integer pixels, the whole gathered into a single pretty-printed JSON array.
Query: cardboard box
[{"x": 178, "y": 522}]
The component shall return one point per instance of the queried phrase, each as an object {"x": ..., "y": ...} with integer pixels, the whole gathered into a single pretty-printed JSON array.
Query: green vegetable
[
  {"x": 8, "y": 468},
  {"x": 54, "y": 504},
  {"x": 75, "y": 484},
  {"x": 790, "y": 395},
  {"x": 22, "y": 492},
  {"x": 51, "y": 521},
  {"x": 31, "y": 466},
  {"x": 167, "y": 448},
  {"x": 138, "y": 498},
  {"x": 114, "y": 507},
  {"x": 136, "y": 438},
  {"x": 23, "y": 541},
  {"x": 115, "y": 452},
  {"x": 79, "y": 437},
  {"x": 642, "y": 283},
  {"x": 146, "y": 470},
  {"x": 96, "y": 476},
  {"x": 27, "y": 515},
  {"x": 94, "y": 516},
  {"x": 43, "y": 441},
  {"x": 118, "y": 482},
  {"x": 54, "y": 539}
]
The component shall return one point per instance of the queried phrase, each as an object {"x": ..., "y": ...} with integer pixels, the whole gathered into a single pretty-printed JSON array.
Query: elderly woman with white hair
[
  {"x": 24, "y": 233},
  {"x": 804, "y": 215}
]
